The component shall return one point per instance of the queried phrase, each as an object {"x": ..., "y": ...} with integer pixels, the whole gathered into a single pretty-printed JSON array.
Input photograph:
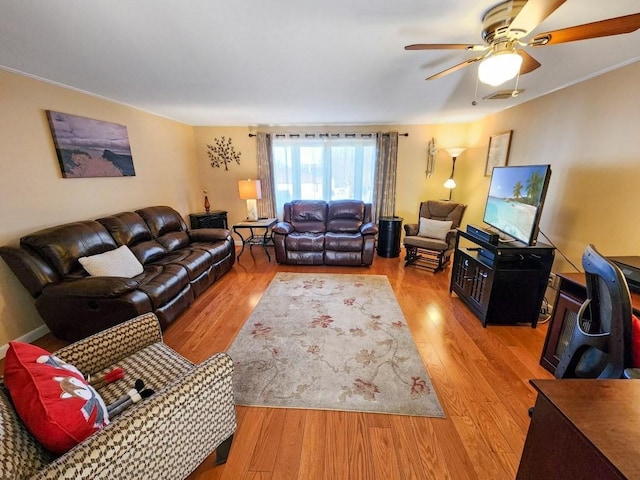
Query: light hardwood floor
[{"x": 480, "y": 374}]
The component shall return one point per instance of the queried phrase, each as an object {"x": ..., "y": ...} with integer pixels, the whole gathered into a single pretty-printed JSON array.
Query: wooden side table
[
  {"x": 254, "y": 238},
  {"x": 212, "y": 219}
]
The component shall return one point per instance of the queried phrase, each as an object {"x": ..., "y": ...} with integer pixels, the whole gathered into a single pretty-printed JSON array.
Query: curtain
[
  {"x": 386, "y": 166},
  {"x": 267, "y": 204}
]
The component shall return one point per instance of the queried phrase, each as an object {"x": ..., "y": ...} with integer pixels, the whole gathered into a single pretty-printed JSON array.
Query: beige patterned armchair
[{"x": 191, "y": 414}]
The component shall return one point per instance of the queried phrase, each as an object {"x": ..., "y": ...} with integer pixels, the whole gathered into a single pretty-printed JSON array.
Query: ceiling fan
[{"x": 504, "y": 27}]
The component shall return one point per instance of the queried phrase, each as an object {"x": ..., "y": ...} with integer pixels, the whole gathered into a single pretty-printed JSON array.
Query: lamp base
[{"x": 252, "y": 210}]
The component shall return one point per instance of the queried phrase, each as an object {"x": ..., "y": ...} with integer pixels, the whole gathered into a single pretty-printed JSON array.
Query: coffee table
[{"x": 254, "y": 237}]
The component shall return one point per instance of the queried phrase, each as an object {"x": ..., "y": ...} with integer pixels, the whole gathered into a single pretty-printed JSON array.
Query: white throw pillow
[
  {"x": 120, "y": 262},
  {"x": 434, "y": 228}
]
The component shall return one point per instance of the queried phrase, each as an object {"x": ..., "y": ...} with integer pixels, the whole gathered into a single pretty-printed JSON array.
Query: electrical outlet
[{"x": 552, "y": 282}]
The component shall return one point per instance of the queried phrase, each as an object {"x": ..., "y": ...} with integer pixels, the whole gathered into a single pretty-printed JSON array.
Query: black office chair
[{"x": 600, "y": 345}]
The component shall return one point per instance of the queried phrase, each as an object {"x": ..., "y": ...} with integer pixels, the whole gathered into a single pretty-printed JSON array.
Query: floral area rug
[{"x": 331, "y": 342}]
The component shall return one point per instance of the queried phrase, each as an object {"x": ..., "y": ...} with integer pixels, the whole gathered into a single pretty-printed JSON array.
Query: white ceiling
[{"x": 290, "y": 62}]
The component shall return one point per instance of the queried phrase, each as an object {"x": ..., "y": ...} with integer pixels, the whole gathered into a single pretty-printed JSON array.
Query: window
[{"x": 323, "y": 169}]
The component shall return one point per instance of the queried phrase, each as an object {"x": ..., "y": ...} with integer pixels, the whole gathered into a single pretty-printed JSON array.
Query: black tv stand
[{"x": 501, "y": 284}]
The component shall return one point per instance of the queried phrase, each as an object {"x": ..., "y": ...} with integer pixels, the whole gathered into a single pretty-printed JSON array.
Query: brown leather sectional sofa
[
  {"x": 315, "y": 232},
  {"x": 178, "y": 265}
]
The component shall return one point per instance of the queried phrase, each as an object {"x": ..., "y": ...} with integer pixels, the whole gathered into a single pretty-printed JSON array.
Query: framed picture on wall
[
  {"x": 498, "y": 154},
  {"x": 90, "y": 148}
]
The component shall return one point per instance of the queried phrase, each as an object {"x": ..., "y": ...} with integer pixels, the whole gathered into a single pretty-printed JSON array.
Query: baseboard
[{"x": 27, "y": 338}]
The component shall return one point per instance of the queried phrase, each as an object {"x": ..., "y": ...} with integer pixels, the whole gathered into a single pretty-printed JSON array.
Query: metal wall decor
[
  {"x": 431, "y": 156},
  {"x": 222, "y": 153}
]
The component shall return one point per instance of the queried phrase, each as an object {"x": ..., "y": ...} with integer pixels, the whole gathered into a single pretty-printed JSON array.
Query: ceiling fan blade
[
  {"x": 533, "y": 14},
  {"x": 455, "y": 68},
  {"x": 445, "y": 46},
  {"x": 603, "y": 28},
  {"x": 529, "y": 64}
]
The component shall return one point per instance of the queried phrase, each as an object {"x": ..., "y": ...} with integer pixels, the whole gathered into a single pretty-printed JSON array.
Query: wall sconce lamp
[
  {"x": 455, "y": 153},
  {"x": 250, "y": 191}
]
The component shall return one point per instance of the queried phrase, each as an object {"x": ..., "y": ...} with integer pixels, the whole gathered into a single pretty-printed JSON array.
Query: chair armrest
[
  {"x": 97, "y": 287},
  {"x": 369, "y": 228},
  {"x": 105, "y": 348},
  {"x": 283, "y": 228},
  {"x": 410, "y": 229},
  {"x": 451, "y": 237},
  {"x": 165, "y": 436},
  {"x": 209, "y": 234}
]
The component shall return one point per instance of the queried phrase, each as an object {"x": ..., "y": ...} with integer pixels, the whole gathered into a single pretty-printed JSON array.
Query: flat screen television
[{"x": 515, "y": 200}]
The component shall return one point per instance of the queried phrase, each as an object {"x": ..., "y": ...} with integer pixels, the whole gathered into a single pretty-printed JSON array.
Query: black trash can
[{"x": 389, "y": 236}]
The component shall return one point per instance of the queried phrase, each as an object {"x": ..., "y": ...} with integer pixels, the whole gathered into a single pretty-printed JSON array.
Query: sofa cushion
[
  {"x": 63, "y": 245},
  {"x": 162, "y": 283},
  {"x": 52, "y": 397},
  {"x": 345, "y": 216},
  {"x": 309, "y": 216},
  {"x": 166, "y": 226},
  {"x": 305, "y": 242},
  {"x": 115, "y": 263},
  {"x": 130, "y": 229},
  {"x": 343, "y": 242},
  {"x": 127, "y": 228},
  {"x": 194, "y": 261}
]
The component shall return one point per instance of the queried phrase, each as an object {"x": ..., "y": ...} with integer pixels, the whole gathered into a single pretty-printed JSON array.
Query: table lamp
[{"x": 250, "y": 191}]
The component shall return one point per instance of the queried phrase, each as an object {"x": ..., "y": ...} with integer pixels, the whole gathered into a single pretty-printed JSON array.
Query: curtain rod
[{"x": 320, "y": 135}]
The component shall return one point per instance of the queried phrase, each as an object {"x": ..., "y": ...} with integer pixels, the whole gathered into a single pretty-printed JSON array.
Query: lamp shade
[
  {"x": 499, "y": 67},
  {"x": 249, "y": 189},
  {"x": 455, "y": 152},
  {"x": 450, "y": 183}
]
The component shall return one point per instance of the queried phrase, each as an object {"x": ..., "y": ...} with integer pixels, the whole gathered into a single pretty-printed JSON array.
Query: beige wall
[
  {"x": 412, "y": 182},
  {"x": 34, "y": 195},
  {"x": 588, "y": 133}
]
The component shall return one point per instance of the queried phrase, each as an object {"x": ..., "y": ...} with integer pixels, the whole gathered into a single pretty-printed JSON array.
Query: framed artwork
[
  {"x": 90, "y": 148},
  {"x": 498, "y": 154}
]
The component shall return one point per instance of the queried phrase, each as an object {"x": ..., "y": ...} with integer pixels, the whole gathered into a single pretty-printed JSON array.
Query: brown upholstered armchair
[{"x": 430, "y": 242}]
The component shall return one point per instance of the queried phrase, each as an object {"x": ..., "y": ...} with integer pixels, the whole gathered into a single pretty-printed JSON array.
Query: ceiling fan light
[{"x": 499, "y": 67}]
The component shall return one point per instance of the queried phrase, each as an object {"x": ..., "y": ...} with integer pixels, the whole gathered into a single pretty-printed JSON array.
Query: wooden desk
[
  {"x": 583, "y": 429},
  {"x": 572, "y": 292}
]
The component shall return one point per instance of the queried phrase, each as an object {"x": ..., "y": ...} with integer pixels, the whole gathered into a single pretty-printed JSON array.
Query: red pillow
[
  {"x": 635, "y": 341},
  {"x": 53, "y": 399}
]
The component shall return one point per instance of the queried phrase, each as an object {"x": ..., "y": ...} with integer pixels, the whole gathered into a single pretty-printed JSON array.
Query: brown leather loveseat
[
  {"x": 315, "y": 232},
  {"x": 175, "y": 264}
]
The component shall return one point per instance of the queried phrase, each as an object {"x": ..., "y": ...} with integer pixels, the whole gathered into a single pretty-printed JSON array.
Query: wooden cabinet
[
  {"x": 572, "y": 292},
  {"x": 501, "y": 284},
  {"x": 213, "y": 219},
  {"x": 583, "y": 430}
]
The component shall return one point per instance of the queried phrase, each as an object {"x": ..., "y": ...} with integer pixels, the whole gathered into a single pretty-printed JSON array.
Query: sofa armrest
[
  {"x": 369, "y": 228},
  {"x": 410, "y": 229},
  {"x": 283, "y": 228},
  {"x": 96, "y": 287},
  {"x": 209, "y": 234},
  {"x": 165, "y": 436},
  {"x": 30, "y": 268},
  {"x": 105, "y": 348}
]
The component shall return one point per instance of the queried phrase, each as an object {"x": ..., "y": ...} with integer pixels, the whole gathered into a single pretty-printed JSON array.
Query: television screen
[{"x": 515, "y": 199}]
